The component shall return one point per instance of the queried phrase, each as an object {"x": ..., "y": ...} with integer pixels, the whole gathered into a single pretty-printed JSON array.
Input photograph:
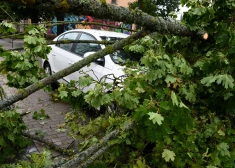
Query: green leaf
[
  {"x": 174, "y": 98},
  {"x": 198, "y": 11},
  {"x": 165, "y": 105},
  {"x": 85, "y": 81},
  {"x": 190, "y": 96},
  {"x": 140, "y": 90},
  {"x": 170, "y": 79},
  {"x": 221, "y": 133},
  {"x": 29, "y": 39},
  {"x": 38, "y": 48},
  {"x": 227, "y": 80},
  {"x": 227, "y": 96},
  {"x": 182, "y": 105},
  {"x": 168, "y": 155},
  {"x": 63, "y": 94},
  {"x": 11, "y": 137},
  {"x": 223, "y": 149},
  {"x": 128, "y": 142},
  {"x": 155, "y": 117},
  {"x": 207, "y": 81},
  {"x": 76, "y": 93}
]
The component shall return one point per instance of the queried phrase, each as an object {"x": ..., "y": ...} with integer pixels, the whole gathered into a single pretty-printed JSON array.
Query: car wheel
[
  {"x": 47, "y": 68},
  {"x": 48, "y": 72}
]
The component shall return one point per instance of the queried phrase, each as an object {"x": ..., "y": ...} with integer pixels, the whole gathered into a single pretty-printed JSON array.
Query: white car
[{"x": 64, "y": 55}]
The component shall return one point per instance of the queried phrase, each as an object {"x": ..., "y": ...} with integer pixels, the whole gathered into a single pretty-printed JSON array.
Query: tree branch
[
  {"x": 80, "y": 157},
  {"x": 80, "y": 41},
  {"x": 50, "y": 144},
  {"x": 67, "y": 42},
  {"x": 92, "y": 158}
]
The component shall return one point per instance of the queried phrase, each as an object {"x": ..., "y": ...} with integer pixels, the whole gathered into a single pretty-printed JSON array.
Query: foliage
[
  {"x": 69, "y": 93},
  {"x": 37, "y": 160},
  {"x": 181, "y": 98},
  {"x": 28, "y": 9},
  {"x": 11, "y": 139},
  {"x": 40, "y": 115},
  {"x": 6, "y": 28},
  {"x": 22, "y": 68},
  {"x": 156, "y": 7}
]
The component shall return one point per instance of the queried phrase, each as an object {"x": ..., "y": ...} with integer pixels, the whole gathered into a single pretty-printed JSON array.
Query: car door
[
  {"x": 61, "y": 54},
  {"x": 81, "y": 49}
]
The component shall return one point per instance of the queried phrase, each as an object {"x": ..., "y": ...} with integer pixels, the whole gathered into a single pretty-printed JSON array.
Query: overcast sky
[{"x": 182, "y": 10}]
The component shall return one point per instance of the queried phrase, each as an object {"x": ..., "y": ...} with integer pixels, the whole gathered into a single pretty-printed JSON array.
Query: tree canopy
[
  {"x": 27, "y": 9},
  {"x": 156, "y": 7}
]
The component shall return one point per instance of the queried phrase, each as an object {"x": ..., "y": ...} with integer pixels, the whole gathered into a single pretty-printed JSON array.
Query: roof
[{"x": 102, "y": 32}]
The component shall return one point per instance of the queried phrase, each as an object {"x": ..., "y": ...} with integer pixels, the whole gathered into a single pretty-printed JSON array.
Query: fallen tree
[{"x": 102, "y": 9}]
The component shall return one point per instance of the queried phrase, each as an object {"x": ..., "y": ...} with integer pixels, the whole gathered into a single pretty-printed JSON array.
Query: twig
[{"x": 7, "y": 14}]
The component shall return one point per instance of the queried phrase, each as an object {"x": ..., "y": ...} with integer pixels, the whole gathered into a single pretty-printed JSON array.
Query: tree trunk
[{"x": 108, "y": 11}]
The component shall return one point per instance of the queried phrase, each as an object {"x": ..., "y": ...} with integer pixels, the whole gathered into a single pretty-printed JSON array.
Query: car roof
[{"x": 101, "y": 33}]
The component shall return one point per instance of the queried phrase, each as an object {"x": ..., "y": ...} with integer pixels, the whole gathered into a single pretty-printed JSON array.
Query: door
[
  {"x": 95, "y": 69},
  {"x": 61, "y": 54}
]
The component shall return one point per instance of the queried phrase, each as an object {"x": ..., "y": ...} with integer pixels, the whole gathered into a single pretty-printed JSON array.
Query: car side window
[
  {"x": 82, "y": 48},
  {"x": 68, "y": 36}
]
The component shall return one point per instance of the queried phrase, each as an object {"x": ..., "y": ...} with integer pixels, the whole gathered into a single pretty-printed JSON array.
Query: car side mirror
[{"x": 100, "y": 61}]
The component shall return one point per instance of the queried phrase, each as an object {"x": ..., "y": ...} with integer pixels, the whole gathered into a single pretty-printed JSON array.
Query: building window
[{"x": 114, "y": 1}]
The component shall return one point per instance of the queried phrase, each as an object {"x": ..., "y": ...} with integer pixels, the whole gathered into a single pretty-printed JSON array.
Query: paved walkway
[{"x": 35, "y": 102}]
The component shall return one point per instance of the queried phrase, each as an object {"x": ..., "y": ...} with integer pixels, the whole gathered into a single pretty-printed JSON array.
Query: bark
[
  {"x": 94, "y": 157},
  {"x": 11, "y": 35},
  {"x": 23, "y": 93},
  {"x": 78, "y": 158},
  {"x": 66, "y": 42},
  {"x": 103, "y": 10},
  {"x": 49, "y": 24},
  {"x": 80, "y": 41},
  {"x": 117, "y": 13}
]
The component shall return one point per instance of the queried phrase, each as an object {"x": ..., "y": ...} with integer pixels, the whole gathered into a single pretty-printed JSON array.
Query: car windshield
[{"x": 119, "y": 56}]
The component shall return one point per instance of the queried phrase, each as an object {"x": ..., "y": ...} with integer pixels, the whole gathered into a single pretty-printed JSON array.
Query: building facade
[
  {"x": 123, "y": 3},
  {"x": 120, "y": 26}
]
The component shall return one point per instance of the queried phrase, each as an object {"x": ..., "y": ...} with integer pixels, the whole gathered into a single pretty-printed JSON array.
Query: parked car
[{"x": 64, "y": 55}]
